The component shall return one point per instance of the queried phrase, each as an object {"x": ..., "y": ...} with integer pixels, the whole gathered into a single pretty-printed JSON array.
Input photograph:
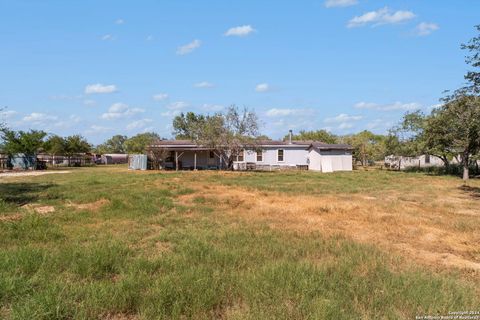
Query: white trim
[
  {"x": 242, "y": 152},
  {"x": 256, "y": 156},
  {"x": 283, "y": 155}
]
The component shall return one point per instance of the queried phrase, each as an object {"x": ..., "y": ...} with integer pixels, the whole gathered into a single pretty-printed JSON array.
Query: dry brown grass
[
  {"x": 91, "y": 206},
  {"x": 438, "y": 230}
]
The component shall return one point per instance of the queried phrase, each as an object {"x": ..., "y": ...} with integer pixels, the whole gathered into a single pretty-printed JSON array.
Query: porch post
[
  {"x": 176, "y": 161},
  {"x": 195, "y": 161}
]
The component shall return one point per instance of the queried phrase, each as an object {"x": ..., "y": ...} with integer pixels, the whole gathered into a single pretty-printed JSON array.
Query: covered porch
[{"x": 187, "y": 158}]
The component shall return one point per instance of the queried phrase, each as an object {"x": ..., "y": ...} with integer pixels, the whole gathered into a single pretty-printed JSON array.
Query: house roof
[
  {"x": 191, "y": 145},
  {"x": 327, "y": 146}
]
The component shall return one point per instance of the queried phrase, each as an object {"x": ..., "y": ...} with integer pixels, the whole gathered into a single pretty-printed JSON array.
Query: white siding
[
  {"x": 407, "y": 162},
  {"x": 315, "y": 160},
  {"x": 330, "y": 160},
  {"x": 292, "y": 156},
  {"x": 187, "y": 159}
]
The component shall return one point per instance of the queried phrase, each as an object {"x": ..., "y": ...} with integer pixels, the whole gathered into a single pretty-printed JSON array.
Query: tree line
[
  {"x": 450, "y": 131},
  {"x": 33, "y": 142}
]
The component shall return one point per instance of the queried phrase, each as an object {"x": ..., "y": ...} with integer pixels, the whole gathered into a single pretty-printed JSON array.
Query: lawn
[{"x": 108, "y": 243}]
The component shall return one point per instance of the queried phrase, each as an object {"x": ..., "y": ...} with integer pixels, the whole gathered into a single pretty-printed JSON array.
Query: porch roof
[{"x": 191, "y": 145}]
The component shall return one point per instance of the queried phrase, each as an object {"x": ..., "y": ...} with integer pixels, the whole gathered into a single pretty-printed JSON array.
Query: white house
[
  {"x": 266, "y": 155},
  {"x": 421, "y": 161}
]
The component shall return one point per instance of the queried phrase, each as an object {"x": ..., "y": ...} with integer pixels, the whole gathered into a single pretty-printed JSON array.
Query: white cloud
[
  {"x": 188, "y": 48},
  {"x": 276, "y": 112},
  {"x": 160, "y": 96},
  {"x": 66, "y": 124},
  {"x": 139, "y": 124},
  {"x": 171, "y": 113},
  {"x": 65, "y": 97},
  {"x": 38, "y": 118},
  {"x": 204, "y": 84},
  {"x": 119, "y": 21},
  {"x": 108, "y": 37},
  {"x": 342, "y": 121},
  {"x": 212, "y": 107},
  {"x": 7, "y": 114},
  {"x": 343, "y": 117},
  {"x": 97, "y": 129},
  {"x": 178, "y": 105},
  {"x": 374, "y": 124},
  {"x": 340, "y": 3},
  {"x": 379, "y": 17},
  {"x": 120, "y": 110},
  {"x": 75, "y": 118},
  {"x": 100, "y": 88},
  {"x": 149, "y": 38},
  {"x": 345, "y": 125},
  {"x": 389, "y": 107},
  {"x": 262, "y": 87},
  {"x": 240, "y": 31},
  {"x": 89, "y": 102},
  {"x": 425, "y": 28}
]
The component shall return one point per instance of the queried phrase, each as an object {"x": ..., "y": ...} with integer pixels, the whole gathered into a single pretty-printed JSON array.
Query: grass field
[{"x": 107, "y": 243}]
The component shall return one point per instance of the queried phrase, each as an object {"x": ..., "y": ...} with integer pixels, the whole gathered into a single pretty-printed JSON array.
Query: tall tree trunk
[{"x": 465, "y": 162}]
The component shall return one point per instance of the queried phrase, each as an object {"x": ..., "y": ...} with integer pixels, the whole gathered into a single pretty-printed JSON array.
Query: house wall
[
  {"x": 187, "y": 159},
  {"x": 315, "y": 160},
  {"x": 292, "y": 156},
  {"x": 330, "y": 160},
  {"x": 409, "y": 162}
]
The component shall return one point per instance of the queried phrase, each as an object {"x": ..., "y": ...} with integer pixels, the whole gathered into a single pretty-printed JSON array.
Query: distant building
[
  {"x": 114, "y": 158},
  {"x": 422, "y": 161},
  {"x": 265, "y": 155}
]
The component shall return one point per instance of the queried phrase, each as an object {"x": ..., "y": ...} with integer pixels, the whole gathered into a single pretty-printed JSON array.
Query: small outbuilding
[
  {"x": 114, "y": 158},
  {"x": 329, "y": 157}
]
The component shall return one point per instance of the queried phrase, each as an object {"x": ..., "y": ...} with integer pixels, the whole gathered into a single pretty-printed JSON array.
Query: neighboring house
[
  {"x": 114, "y": 158},
  {"x": 21, "y": 161},
  {"x": 266, "y": 155},
  {"x": 422, "y": 161}
]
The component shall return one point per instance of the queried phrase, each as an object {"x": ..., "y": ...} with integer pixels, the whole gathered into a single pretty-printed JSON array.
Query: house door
[
  {"x": 211, "y": 161},
  {"x": 327, "y": 164}
]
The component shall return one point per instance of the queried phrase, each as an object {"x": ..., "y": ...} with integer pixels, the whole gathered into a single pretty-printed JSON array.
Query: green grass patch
[{"x": 144, "y": 254}]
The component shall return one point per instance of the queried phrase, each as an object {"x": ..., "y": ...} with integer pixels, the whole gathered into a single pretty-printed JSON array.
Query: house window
[
  {"x": 211, "y": 155},
  {"x": 171, "y": 157},
  {"x": 427, "y": 158},
  {"x": 240, "y": 156},
  {"x": 259, "y": 155},
  {"x": 280, "y": 155}
]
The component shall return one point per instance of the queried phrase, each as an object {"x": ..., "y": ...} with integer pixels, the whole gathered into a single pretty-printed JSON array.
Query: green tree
[
  {"x": 227, "y": 133},
  {"x": 139, "y": 142},
  {"x": 189, "y": 126},
  {"x": 115, "y": 144},
  {"x": 55, "y": 145},
  {"x": 26, "y": 142},
  {"x": 3, "y": 125},
  {"x": 455, "y": 128},
  {"x": 472, "y": 59},
  {"x": 318, "y": 135},
  {"x": 76, "y": 144},
  {"x": 367, "y": 146}
]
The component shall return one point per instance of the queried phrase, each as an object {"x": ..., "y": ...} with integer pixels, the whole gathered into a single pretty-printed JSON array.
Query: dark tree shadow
[
  {"x": 472, "y": 191},
  {"x": 21, "y": 193}
]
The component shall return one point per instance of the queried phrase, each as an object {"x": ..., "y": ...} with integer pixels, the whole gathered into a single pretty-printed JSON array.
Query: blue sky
[{"x": 99, "y": 68}]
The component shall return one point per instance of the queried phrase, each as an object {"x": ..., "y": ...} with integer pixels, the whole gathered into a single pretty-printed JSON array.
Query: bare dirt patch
[
  {"x": 120, "y": 316},
  {"x": 32, "y": 208},
  {"x": 416, "y": 225},
  {"x": 30, "y": 173},
  {"x": 91, "y": 206},
  {"x": 38, "y": 208}
]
